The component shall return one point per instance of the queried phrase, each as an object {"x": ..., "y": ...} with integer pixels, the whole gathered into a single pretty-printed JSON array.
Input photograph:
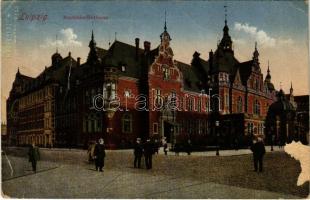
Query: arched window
[
  {"x": 127, "y": 123},
  {"x": 239, "y": 105}
]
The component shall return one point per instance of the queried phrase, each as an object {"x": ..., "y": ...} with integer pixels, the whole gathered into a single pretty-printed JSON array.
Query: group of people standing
[{"x": 147, "y": 150}]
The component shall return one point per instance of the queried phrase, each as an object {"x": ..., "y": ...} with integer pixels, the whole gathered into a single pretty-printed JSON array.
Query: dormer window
[{"x": 166, "y": 73}]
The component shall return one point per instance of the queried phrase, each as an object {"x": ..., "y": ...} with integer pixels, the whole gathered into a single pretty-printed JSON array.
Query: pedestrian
[
  {"x": 258, "y": 149},
  {"x": 99, "y": 155},
  {"x": 177, "y": 148},
  {"x": 188, "y": 147},
  {"x": 165, "y": 147},
  {"x": 138, "y": 152},
  {"x": 156, "y": 146},
  {"x": 34, "y": 156},
  {"x": 236, "y": 144},
  {"x": 148, "y": 152}
]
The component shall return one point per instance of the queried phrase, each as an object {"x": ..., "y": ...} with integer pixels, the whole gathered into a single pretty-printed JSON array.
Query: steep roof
[
  {"x": 122, "y": 54},
  {"x": 224, "y": 61},
  {"x": 58, "y": 72},
  {"x": 101, "y": 52},
  {"x": 190, "y": 78},
  {"x": 245, "y": 69}
]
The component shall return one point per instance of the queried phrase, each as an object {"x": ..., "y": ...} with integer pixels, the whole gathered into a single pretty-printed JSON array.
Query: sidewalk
[
  {"x": 221, "y": 152},
  {"x": 207, "y": 153}
]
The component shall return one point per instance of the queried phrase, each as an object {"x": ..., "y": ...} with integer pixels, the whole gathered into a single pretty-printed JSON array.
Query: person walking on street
[
  {"x": 34, "y": 156},
  {"x": 165, "y": 147},
  {"x": 258, "y": 149},
  {"x": 138, "y": 152},
  {"x": 188, "y": 147},
  {"x": 148, "y": 152},
  {"x": 177, "y": 148},
  {"x": 99, "y": 154}
]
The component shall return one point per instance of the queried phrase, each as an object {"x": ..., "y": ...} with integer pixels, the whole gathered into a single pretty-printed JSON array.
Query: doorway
[{"x": 167, "y": 131}]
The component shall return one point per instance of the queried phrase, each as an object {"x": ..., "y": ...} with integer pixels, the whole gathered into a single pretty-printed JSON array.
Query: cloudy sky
[{"x": 280, "y": 28}]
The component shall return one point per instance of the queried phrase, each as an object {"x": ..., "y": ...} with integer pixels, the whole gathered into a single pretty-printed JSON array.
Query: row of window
[
  {"x": 34, "y": 97},
  {"x": 251, "y": 129},
  {"x": 32, "y": 125},
  {"x": 190, "y": 102},
  {"x": 37, "y": 139},
  {"x": 256, "y": 106}
]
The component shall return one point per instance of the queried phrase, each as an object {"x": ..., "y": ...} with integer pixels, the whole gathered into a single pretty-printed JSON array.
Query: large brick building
[{"x": 127, "y": 91}]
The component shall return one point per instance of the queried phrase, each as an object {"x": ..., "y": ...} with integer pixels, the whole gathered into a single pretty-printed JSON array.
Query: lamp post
[
  {"x": 272, "y": 140},
  {"x": 217, "y": 124}
]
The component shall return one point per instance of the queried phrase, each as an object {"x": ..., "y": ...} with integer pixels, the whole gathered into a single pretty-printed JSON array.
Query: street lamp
[
  {"x": 271, "y": 135},
  {"x": 217, "y": 124}
]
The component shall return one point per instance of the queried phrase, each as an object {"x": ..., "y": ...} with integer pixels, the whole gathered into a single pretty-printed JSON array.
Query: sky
[{"x": 280, "y": 29}]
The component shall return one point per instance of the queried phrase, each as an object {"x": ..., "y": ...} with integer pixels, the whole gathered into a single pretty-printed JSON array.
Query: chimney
[
  {"x": 137, "y": 48},
  {"x": 147, "y": 46},
  {"x": 69, "y": 54},
  {"x": 78, "y": 61}
]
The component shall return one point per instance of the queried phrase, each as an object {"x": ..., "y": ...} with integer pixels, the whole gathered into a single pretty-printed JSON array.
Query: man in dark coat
[
  {"x": 99, "y": 154},
  {"x": 188, "y": 147},
  {"x": 138, "y": 152},
  {"x": 34, "y": 156},
  {"x": 258, "y": 149},
  {"x": 148, "y": 152}
]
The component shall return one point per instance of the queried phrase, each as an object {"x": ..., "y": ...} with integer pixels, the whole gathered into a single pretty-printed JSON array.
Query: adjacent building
[{"x": 288, "y": 119}]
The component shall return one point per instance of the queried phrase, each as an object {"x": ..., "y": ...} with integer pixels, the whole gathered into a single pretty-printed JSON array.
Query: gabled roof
[{"x": 245, "y": 69}]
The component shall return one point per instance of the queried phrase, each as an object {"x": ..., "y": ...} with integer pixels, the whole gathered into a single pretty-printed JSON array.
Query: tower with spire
[
  {"x": 255, "y": 58},
  {"x": 165, "y": 39},
  {"x": 56, "y": 57},
  {"x": 267, "y": 81},
  {"x": 291, "y": 95},
  {"x": 165, "y": 35},
  {"x": 92, "y": 55},
  {"x": 226, "y": 42}
]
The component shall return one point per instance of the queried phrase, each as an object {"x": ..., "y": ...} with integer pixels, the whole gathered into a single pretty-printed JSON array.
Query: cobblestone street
[{"x": 172, "y": 176}]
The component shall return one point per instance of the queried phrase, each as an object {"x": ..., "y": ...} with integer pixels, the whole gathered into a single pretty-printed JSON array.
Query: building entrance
[{"x": 168, "y": 128}]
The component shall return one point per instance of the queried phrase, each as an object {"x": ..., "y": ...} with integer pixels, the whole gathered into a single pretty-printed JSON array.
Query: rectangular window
[
  {"x": 199, "y": 104},
  {"x": 127, "y": 123},
  {"x": 158, "y": 99}
]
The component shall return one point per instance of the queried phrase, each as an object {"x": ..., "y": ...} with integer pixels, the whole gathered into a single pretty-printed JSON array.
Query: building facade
[
  {"x": 127, "y": 91},
  {"x": 288, "y": 119}
]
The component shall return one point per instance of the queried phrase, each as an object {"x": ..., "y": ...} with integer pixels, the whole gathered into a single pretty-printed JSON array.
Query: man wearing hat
[
  {"x": 99, "y": 153},
  {"x": 258, "y": 149},
  {"x": 138, "y": 152}
]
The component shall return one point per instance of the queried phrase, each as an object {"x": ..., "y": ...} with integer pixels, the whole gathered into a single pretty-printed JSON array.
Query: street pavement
[{"x": 194, "y": 176}]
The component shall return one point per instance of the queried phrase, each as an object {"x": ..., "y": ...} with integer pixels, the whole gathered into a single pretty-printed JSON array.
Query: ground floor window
[{"x": 127, "y": 123}]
